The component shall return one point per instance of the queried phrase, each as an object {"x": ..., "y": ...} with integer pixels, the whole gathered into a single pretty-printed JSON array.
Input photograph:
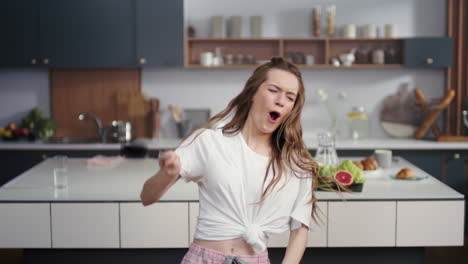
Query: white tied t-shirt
[{"x": 230, "y": 176}]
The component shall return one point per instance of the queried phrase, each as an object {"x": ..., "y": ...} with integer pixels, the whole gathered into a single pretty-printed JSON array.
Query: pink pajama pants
[{"x": 199, "y": 255}]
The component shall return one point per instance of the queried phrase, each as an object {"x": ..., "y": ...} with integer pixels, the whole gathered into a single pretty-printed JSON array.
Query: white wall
[
  {"x": 367, "y": 87},
  {"x": 22, "y": 90}
]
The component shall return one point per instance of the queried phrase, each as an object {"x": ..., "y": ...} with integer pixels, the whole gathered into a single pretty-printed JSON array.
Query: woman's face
[{"x": 274, "y": 100}]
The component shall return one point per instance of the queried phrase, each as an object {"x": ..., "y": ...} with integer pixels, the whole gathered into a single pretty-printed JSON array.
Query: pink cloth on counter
[{"x": 104, "y": 161}]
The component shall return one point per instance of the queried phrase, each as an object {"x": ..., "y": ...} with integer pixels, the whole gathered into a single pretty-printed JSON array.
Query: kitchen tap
[{"x": 98, "y": 122}]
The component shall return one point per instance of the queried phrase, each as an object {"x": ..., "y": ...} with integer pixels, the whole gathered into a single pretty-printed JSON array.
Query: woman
[{"x": 254, "y": 172}]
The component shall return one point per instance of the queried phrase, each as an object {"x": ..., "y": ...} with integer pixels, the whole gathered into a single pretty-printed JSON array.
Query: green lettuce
[{"x": 348, "y": 165}]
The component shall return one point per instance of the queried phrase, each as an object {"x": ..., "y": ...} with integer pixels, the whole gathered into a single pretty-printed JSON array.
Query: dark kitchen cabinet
[
  {"x": 159, "y": 32},
  {"x": 19, "y": 26},
  {"x": 87, "y": 33},
  {"x": 436, "y": 52}
]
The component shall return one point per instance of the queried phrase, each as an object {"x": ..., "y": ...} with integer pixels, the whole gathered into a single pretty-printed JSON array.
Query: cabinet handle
[
  {"x": 429, "y": 60},
  {"x": 142, "y": 61},
  {"x": 33, "y": 61},
  {"x": 456, "y": 156},
  {"x": 46, "y": 61}
]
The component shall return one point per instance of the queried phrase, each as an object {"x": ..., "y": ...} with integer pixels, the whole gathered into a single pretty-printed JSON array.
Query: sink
[{"x": 72, "y": 140}]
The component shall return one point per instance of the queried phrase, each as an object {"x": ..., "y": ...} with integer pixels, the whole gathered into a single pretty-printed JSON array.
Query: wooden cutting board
[{"x": 111, "y": 94}]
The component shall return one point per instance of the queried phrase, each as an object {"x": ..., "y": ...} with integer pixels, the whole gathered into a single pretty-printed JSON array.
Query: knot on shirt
[{"x": 255, "y": 237}]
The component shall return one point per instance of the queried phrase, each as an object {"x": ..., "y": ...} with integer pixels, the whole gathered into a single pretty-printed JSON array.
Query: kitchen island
[{"x": 100, "y": 209}]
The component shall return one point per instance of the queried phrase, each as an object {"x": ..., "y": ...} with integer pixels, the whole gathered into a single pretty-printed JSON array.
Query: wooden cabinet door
[
  {"x": 159, "y": 32},
  {"x": 85, "y": 225},
  {"x": 160, "y": 225},
  {"x": 430, "y": 223},
  {"x": 88, "y": 33},
  {"x": 19, "y": 26},
  {"x": 436, "y": 52},
  {"x": 25, "y": 225},
  {"x": 317, "y": 233},
  {"x": 361, "y": 224}
]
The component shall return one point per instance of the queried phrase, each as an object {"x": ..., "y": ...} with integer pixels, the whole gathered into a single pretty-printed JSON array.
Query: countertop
[
  {"x": 311, "y": 143},
  {"x": 123, "y": 182}
]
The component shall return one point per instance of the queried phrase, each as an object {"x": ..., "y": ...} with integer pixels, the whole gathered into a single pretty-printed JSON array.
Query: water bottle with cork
[{"x": 358, "y": 123}]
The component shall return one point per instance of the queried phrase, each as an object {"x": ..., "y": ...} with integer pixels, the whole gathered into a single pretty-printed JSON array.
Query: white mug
[{"x": 383, "y": 157}]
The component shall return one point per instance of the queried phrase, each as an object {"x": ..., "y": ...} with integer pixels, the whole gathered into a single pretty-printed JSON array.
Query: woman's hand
[
  {"x": 155, "y": 187},
  {"x": 169, "y": 164}
]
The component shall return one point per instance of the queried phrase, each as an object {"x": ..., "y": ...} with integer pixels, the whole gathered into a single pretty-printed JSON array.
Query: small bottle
[{"x": 358, "y": 123}]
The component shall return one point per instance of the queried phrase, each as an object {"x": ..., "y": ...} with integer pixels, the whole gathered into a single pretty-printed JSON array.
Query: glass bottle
[
  {"x": 331, "y": 11},
  {"x": 316, "y": 17},
  {"x": 326, "y": 152},
  {"x": 358, "y": 123}
]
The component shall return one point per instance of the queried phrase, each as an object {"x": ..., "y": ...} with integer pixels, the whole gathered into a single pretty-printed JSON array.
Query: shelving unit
[{"x": 323, "y": 49}]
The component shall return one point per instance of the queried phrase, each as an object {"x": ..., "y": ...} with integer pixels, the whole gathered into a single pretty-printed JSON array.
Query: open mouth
[{"x": 274, "y": 115}]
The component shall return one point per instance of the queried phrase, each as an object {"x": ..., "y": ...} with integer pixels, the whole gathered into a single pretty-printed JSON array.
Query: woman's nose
[{"x": 280, "y": 100}]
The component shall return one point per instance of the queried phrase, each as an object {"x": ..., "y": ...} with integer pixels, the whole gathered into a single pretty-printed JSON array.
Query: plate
[
  {"x": 418, "y": 178},
  {"x": 372, "y": 173}
]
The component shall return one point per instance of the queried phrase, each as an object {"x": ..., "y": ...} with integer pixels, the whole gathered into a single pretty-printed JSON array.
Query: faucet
[{"x": 98, "y": 122}]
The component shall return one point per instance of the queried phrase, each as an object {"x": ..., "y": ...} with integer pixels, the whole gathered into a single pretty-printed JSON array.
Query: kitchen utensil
[
  {"x": 121, "y": 131},
  {"x": 434, "y": 114}
]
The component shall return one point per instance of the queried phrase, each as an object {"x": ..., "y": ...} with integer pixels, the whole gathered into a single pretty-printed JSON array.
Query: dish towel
[{"x": 104, "y": 161}]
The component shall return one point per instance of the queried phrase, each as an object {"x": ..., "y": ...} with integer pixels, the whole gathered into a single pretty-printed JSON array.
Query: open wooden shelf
[{"x": 262, "y": 49}]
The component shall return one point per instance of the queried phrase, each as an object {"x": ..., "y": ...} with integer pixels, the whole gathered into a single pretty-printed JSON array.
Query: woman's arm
[
  {"x": 157, "y": 185},
  {"x": 296, "y": 245}
]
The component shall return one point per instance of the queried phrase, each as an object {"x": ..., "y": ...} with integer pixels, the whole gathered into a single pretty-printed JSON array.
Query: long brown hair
[{"x": 288, "y": 149}]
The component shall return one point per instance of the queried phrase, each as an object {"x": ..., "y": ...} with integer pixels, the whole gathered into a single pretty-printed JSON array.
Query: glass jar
[
  {"x": 316, "y": 17},
  {"x": 358, "y": 123},
  {"x": 326, "y": 152},
  {"x": 331, "y": 10}
]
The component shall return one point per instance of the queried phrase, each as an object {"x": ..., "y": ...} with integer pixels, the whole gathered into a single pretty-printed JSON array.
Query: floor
[
  {"x": 448, "y": 255},
  {"x": 434, "y": 255}
]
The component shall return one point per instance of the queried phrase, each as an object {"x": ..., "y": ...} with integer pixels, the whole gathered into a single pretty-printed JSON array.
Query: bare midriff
[{"x": 235, "y": 247}]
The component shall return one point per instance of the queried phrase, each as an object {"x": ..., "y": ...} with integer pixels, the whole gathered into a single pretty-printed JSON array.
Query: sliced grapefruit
[{"x": 344, "y": 177}]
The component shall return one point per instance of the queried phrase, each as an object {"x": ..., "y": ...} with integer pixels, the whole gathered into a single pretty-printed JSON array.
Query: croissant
[
  {"x": 359, "y": 164},
  {"x": 406, "y": 173},
  {"x": 370, "y": 164}
]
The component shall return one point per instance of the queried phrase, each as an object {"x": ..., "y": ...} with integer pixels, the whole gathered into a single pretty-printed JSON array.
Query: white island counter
[{"x": 101, "y": 209}]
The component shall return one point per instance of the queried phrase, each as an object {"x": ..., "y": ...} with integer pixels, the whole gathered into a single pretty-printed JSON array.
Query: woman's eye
[
  {"x": 272, "y": 90},
  {"x": 291, "y": 99}
]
